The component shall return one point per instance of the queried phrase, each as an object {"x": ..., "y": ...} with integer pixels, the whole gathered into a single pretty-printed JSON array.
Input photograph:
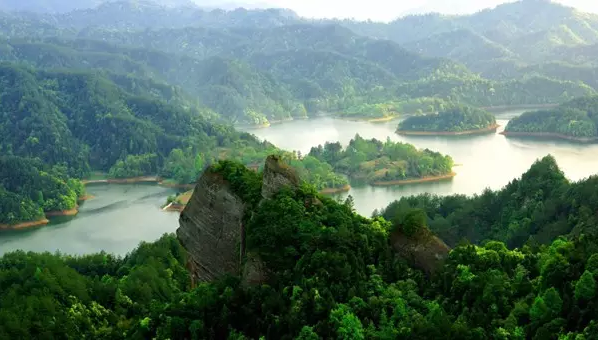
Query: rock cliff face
[
  {"x": 276, "y": 176},
  {"x": 211, "y": 225},
  {"x": 211, "y": 228},
  {"x": 424, "y": 250}
]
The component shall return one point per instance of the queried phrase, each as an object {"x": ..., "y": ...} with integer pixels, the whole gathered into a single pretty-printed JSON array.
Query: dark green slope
[{"x": 88, "y": 121}]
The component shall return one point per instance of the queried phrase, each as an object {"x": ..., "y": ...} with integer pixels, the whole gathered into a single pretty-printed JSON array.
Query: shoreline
[
  {"x": 332, "y": 191},
  {"x": 549, "y": 135},
  {"x": 132, "y": 180},
  {"x": 513, "y": 107},
  {"x": 489, "y": 129},
  {"x": 70, "y": 212},
  {"x": 174, "y": 207},
  {"x": 365, "y": 119},
  {"x": 85, "y": 198},
  {"x": 24, "y": 225},
  {"x": 415, "y": 180},
  {"x": 176, "y": 186},
  {"x": 269, "y": 123}
]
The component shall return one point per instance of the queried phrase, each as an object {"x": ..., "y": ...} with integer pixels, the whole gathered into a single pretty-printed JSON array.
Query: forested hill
[
  {"x": 576, "y": 119},
  {"x": 255, "y": 76},
  {"x": 538, "y": 207},
  {"x": 452, "y": 118},
  {"x": 332, "y": 274},
  {"x": 89, "y": 121}
]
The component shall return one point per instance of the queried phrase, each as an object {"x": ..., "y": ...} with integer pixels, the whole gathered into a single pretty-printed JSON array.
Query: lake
[
  {"x": 116, "y": 220},
  {"x": 120, "y": 216},
  {"x": 489, "y": 160}
]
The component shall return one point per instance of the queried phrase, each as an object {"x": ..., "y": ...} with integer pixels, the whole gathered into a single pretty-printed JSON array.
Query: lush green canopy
[{"x": 451, "y": 119}]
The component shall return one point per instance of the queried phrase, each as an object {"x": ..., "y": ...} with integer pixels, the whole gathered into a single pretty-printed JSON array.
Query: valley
[{"x": 184, "y": 169}]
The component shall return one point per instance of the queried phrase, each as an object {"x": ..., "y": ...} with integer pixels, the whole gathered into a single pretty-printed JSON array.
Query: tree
[{"x": 585, "y": 289}]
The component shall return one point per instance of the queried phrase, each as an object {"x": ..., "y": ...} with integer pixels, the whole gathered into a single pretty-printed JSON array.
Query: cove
[
  {"x": 486, "y": 161},
  {"x": 115, "y": 220}
]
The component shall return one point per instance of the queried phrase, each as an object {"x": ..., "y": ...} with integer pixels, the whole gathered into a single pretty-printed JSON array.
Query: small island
[
  {"x": 31, "y": 191},
  {"x": 387, "y": 111},
  {"x": 385, "y": 163},
  {"x": 576, "y": 120},
  {"x": 453, "y": 120}
]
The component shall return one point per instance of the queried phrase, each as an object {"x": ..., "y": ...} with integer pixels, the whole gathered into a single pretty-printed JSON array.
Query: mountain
[
  {"x": 89, "y": 121},
  {"x": 526, "y": 31},
  {"x": 64, "y": 6}
]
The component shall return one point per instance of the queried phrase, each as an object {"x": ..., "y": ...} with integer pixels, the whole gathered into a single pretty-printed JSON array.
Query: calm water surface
[
  {"x": 123, "y": 215},
  {"x": 487, "y": 160},
  {"x": 116, "y": 220}
]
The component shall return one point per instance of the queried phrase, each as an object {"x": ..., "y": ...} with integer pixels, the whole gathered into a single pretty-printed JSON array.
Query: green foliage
[
  {"x": 134, "y": 166},
  {"x": 28, "y": 188},
  {"x": 577, "y": 118},
  {"x": 585, "y": 289},
  {"x": 376, "y": 161},
  {"x": 541, "y": 204},
  {"x": 452, "y": 119},
  {"x": 331, "y": 274}
]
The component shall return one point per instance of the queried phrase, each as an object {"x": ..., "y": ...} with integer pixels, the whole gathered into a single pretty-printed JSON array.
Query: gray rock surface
[{"x": 211, "y": 228}]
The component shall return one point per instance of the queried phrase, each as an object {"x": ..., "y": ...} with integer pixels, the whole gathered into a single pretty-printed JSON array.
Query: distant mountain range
[{"x": 276, "y": 63}]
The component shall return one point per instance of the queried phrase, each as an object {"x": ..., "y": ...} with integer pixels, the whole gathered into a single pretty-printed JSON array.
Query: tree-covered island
[
  {"x": 384, "y": 163},
  {"x": 453, "y": 120}
]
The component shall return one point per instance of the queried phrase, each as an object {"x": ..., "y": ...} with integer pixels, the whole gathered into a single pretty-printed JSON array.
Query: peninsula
[{"x": 576, "y": 120}]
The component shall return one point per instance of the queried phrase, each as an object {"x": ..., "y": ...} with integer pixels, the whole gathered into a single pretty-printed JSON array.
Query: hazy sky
[{"x": 385, "y": 10}]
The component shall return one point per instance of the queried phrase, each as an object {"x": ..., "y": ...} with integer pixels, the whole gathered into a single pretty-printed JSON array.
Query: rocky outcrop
[
  {"x": 424, "y": 250},
  {"x": 276, "y": 176},
  {"x": 211, "y": 228},
  {"x": 211, "y": 225}
]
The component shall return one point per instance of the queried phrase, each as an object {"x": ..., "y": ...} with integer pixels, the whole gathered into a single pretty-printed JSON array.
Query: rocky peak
[
  {"x": 211, "y": 228},
  {"x": 423, "y": 250},
  {"x": 211, "y": 225},
  {"x": 277, "y": 175}
]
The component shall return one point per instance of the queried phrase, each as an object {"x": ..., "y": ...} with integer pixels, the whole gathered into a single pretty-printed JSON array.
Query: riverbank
[
  {"x": 332, "y": 191},
  {"x": 415, "y": 180},
  {"x": 132, "y": 180},
  {"x": 522, "y": 107},
  {"x": 70, "y": 212},
  {"x": 24, "y": 225},
  {"x": 85, "y": 197},
  {"x": 269, "y": 123},
  {"x": 489, "y": 129},
  {"x": 173, "y": 185},
  {"x": 547, "y": 135},
  {"x": 366, "y": 119}
]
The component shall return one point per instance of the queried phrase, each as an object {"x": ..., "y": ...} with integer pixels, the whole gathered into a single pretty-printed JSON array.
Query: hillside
[
  {"x": 539, "y": 207},
  {"x": 574, "y": 120},
  {"x": 313, "y": 269},
  {"x": 451, "y": 119},
  {"x": 525, "y": 32},
  {"x": 89, "y": 122}
]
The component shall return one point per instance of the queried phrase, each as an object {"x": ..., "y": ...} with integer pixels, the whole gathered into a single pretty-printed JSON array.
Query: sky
[{"x": 386, "y": 10}]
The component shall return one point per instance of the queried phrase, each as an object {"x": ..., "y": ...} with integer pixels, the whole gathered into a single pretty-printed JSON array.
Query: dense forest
[
  {"x": 539, "y": 207},
  {"x": 577, "y": 118},
  {"x": 374, "y": 161},
  {"x": 332, "y": 275},
  {"x": 29, "y": 188},
  {"x": 452, "y": 119},
  {"x": 132, "y": 88},
  {"x": 256, "y": 67}
]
